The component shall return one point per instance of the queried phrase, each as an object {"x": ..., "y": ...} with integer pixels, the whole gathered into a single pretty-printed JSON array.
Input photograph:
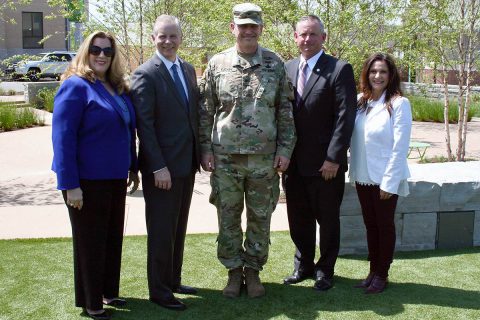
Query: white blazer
[{"x": 387, "y": 139}]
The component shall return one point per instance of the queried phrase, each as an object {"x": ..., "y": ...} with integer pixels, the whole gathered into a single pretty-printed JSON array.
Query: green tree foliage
[
  {"x": 205, "y": 24},
  {"x": 10, "y": 5},
  {"x": 358, "y": 28},
  {"x": 446, "y": 38}
]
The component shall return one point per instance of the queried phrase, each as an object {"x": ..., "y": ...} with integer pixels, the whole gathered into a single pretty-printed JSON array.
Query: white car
[{"x": 52, "y": 65}]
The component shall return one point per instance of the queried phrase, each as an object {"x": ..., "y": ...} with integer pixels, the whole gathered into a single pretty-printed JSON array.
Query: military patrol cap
[{"x": 247, "y": 13}]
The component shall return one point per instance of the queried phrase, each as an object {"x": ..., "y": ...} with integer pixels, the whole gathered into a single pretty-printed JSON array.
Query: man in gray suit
[{"x": 165, "y": 96}]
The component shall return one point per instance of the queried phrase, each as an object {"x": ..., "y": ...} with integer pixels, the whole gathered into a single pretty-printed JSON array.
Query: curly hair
[
  {"x": 80, "y": 65},
  {"x": 393, "y": 89}
]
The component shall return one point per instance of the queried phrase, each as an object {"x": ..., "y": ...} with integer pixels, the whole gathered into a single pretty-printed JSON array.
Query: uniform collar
[{"x": 237, "y": 60}]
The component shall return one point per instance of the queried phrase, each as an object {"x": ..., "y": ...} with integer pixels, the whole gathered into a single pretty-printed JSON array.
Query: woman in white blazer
[{"x": 378, "y": 162}]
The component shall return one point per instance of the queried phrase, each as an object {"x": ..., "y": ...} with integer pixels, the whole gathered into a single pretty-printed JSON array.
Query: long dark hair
[{"x": 393, "y": 89}]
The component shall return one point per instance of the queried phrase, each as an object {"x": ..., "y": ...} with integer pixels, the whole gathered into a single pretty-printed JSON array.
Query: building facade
[{"x": 23, "y": 28}]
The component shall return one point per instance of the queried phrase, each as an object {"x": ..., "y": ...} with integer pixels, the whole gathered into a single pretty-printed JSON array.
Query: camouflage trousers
[{"x": 239, "y": 178}]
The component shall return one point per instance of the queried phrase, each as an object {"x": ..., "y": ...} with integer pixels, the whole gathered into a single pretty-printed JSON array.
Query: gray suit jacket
[{"x": 167, "y": 129}]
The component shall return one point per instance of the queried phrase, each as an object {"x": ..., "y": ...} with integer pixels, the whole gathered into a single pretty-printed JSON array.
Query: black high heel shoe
[{"x": 366, "y": 282}]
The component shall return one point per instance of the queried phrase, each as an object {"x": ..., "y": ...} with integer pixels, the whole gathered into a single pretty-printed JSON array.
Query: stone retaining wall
[
  {"x": 432, "y": 90},
  {"x": 442, "y": 212},
  {"x": 31, "y": 89}
]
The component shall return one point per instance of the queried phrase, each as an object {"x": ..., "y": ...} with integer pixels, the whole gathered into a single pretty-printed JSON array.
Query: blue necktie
[{"x": 178, "y": 85}]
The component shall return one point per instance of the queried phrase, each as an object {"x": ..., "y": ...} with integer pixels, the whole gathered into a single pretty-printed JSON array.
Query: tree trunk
[
  {"x": 461, "y": 78},
  {"x": 140, "y": 5},
  {"x": 470, "y": 57},
  {"x": 460, "y": 121},
  {"x": 465, "y": 116},
  {"x": 446, "y": 108},
  {"x": 125, "y": 35}
]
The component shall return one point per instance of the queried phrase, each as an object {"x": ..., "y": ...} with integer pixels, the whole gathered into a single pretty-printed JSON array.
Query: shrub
[
  {"x": 476, "y": 103},
  {"x": 431, "y": 110},
  {"x": 7, "y": 117},
  {"x": 45, "y": 98},
  {"x": 13, "y": 117},
  {"x": 9, "y": 92}
]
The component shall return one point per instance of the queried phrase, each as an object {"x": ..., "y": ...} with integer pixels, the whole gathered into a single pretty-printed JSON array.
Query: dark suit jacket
[
  {"x": 325, "y": 116},
  {"x": 168, "y": 132},
  {"x": 90, "y": 138}
]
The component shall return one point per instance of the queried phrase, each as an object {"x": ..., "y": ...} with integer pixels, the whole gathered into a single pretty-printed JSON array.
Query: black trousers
[
  {"x": 378, "y": 216},
  {"x": 312, "y": 200},
  {"x": 97, "y": 232},
  {"x": 166, "y": 216}
]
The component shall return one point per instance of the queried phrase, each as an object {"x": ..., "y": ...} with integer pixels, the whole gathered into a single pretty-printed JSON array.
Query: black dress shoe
[
  {"x": 170, "y": 303},
  {"x": 115, "y": 302},
  {"x": 322, "y": 282},
  {"x": 185, "y": 290},
  {"x": 297, "y": 276},
  {"x": 97, "y": 316}
]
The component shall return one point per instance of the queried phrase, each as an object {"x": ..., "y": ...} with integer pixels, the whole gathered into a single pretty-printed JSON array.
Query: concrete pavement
[{"x": 31, "y": 207}]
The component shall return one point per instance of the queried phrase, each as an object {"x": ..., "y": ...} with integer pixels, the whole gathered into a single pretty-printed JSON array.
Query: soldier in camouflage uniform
[{"x": 247, "y": 134}]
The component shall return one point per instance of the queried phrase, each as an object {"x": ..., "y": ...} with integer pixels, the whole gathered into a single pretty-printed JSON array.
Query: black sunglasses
[{"x": 96, "y": 50}]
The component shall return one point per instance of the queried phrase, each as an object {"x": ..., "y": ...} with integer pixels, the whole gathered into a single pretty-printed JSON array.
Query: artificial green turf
[{"x": 36, "y": 282}]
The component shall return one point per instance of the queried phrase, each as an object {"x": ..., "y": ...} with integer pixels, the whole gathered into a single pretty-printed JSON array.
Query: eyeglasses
[{"x": 96, "y": 50}]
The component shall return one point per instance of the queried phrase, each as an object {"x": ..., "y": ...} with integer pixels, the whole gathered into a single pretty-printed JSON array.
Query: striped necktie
[{"x": 302, "y": 79}]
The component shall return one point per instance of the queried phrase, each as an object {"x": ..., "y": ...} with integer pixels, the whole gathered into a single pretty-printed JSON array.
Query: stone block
[
  {"x": 476, "y": 229},
  {"x": 434, "y": 188},
  {"x": 455, "y": 229},
  {"x": 350, "y": 204},
  {"x": 31, "y": 90},
  {"x": 460, "y": 196},
  {"x": 352, "y": 232},
  {"x": 423, "y": 197},
  {"x": 353, "y": 237},
  {"x": 419, "y": 231},
  {"x": 398, "y": 228}
]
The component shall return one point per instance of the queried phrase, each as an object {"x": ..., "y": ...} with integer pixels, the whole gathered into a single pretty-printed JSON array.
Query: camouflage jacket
[{"x": 246, "y": 105}]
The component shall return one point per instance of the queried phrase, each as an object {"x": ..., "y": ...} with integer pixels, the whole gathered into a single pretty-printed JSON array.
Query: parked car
[{"x": 52, "y": 65}]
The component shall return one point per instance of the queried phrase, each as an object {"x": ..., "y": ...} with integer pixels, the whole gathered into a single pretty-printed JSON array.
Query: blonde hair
[{"x": 80, "y": 65}]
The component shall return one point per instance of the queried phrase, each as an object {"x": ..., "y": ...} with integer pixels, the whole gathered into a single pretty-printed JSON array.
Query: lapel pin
[{"x": 318, "y": 70}]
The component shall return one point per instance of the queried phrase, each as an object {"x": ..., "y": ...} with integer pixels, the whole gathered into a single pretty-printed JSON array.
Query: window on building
[{"x": 32, "y": 30}]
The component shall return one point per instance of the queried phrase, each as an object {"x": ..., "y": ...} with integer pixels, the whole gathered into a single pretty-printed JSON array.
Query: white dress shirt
[
  {"x": 169, "y": 64},
  {"x": 311, "y": 63}
]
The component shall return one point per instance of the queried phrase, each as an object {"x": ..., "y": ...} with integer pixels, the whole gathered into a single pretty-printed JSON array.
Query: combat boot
[
  {"x": 234, "y": 284},
  {"x": 254, "y": 286}
]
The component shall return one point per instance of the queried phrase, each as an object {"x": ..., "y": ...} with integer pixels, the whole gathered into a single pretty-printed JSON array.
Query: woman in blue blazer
[
  {"x": 93, "y": 136},
  {"x": 379, "y": 149}
]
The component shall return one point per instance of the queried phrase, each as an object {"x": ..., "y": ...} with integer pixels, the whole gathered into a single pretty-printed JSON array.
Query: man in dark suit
[
  {"x": 314, "y": 182},
  {"x": 165, "y": 96}
]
